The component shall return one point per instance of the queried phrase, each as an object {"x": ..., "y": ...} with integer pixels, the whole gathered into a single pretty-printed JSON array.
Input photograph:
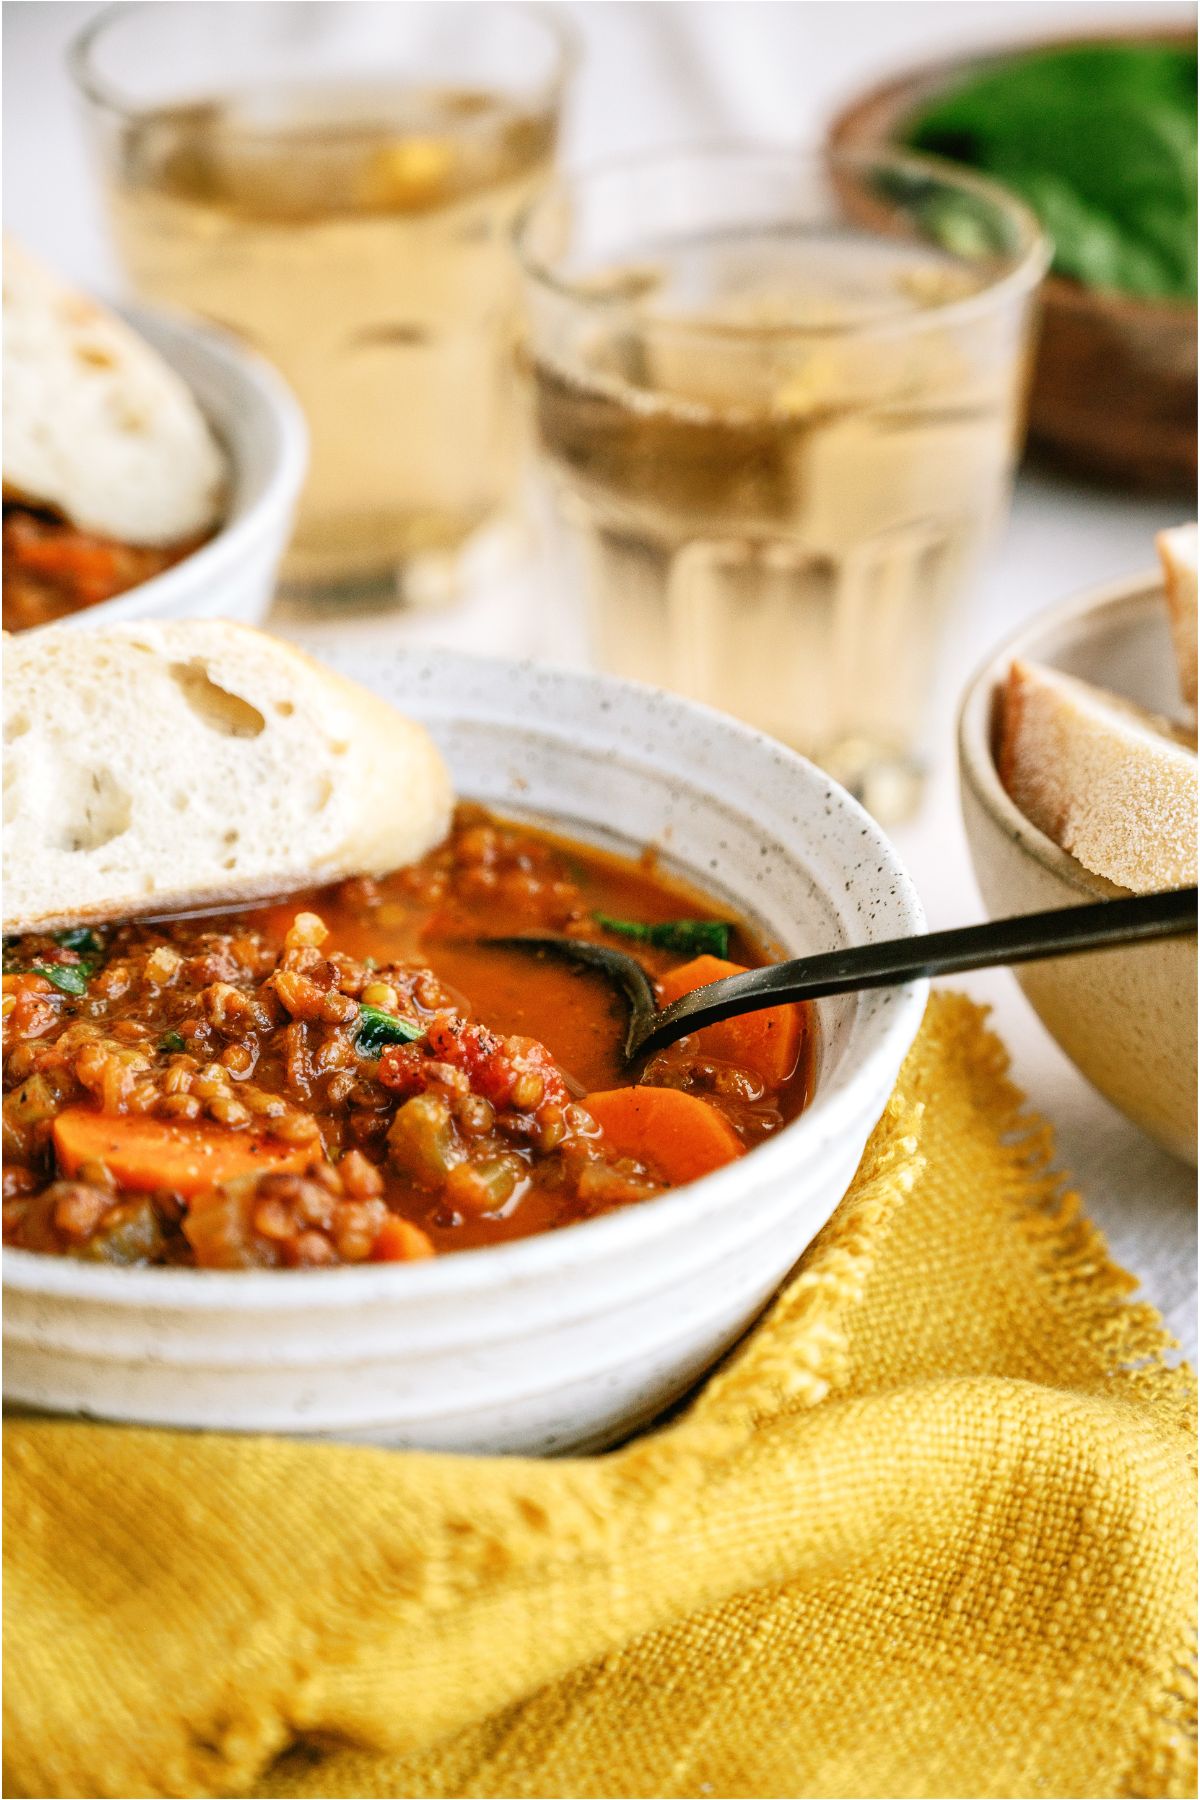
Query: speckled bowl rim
[
  {"x": 977, "y": 765},
  {"x": 258, "y": 384},
  {"x": 634, "y": 1229}
]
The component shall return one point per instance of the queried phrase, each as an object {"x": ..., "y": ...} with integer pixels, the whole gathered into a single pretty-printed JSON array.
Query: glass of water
[
  {"x": 780, "y": 399},
  {"x": 337, "y": 184}
]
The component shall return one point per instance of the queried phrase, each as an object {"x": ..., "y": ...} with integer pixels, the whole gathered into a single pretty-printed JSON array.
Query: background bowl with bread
[
  {"x": 1098, "y": 135},
  {"x": 151, "y": 463},
  {"x": 1078, "y": 780},
  {"x": 564, "y": 1339}
]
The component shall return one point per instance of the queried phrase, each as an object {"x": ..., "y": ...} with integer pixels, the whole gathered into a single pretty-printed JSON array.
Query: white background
[{"x": 658, "y": 73}]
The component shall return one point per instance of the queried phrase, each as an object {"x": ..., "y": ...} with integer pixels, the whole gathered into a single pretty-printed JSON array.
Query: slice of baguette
[
  {"x": 1177, "y": 549},
  {"x": 1108, "y": 782},
  {"x": 157, "y": 767},
  {"x": 96, "y": 424}
]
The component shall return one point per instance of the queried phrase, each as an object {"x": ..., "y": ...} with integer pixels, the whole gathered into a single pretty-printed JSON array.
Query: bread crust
[
  {"x": 171, "y": 767},
  {"x": 1110, "y": 783},
  {"x": 1177, "y": 549}
]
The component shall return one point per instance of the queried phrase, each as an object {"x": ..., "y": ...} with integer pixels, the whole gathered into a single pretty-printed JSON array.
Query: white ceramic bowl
[
  {"x": 1126, "y": 1018},
  {"x": 262, "y": 430},
  {"x": 569, "y": 1340}
]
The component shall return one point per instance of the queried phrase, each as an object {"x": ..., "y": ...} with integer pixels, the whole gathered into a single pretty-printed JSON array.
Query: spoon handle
[{"x": 1065, "y": 931}]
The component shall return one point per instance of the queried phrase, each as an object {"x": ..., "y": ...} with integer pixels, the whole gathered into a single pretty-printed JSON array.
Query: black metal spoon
[{"x": 1105, "y": 925}]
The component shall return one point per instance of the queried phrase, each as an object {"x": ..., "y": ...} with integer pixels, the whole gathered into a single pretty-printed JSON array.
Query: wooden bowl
[{"x": 1114, "y": 386}]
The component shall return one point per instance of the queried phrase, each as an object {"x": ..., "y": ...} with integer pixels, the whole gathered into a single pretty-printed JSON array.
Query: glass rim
[
  {"x": 1030, "y": 264},
  {"x": 559, "y": 27}
]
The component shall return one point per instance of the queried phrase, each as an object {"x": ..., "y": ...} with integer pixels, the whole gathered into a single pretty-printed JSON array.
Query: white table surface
[{"x": 656, "y": 73}]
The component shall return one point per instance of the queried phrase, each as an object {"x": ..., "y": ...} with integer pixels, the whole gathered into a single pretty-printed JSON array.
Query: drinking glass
[
  {"x": 780, "y": 399},
  {"x": 337, "y": 184}
]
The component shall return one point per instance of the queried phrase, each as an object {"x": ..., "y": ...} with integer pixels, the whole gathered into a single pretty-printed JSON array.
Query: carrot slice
[
  {"x": 673, "y": 1133},
  {"x": 401, "y": 1241},
  {"x": 143, "y": 1154},
  {"x": 768, "y": 1043}
]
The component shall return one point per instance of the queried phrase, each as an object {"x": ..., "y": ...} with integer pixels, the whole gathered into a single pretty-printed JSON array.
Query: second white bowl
[{"x": 569, "y": 1340}]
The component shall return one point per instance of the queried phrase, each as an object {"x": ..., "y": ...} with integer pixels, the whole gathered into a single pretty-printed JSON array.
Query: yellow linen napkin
[{"x": 930, "y": 1531}]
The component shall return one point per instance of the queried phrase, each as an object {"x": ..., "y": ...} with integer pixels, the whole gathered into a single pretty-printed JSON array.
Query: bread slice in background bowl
[
  {"x": 259, "y": 423},
  {"x": 261, "y": 430},
  {"x": 1126, "y": 1018},
  {"x": 1102, "y": 778},
  {"x": 1177, "y": 551}
]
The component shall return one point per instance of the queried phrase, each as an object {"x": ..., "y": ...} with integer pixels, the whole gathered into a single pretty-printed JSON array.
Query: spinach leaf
[
  {"x": 69, "y": 978},
  {"x": 691, "y": 937},
  {"x": 79, "y": 937},
  {"x": 1100, "y": 140},
  {"x": 377, "y": 1028}
]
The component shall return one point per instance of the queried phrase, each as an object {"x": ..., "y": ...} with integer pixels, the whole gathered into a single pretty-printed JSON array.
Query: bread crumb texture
[
  {"x": 154, "y": 766},
  {"x": 1108, "y": 782}
]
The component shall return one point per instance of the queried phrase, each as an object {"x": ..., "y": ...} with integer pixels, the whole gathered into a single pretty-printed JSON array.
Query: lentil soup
[{"x": 351, "y": 1075}]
